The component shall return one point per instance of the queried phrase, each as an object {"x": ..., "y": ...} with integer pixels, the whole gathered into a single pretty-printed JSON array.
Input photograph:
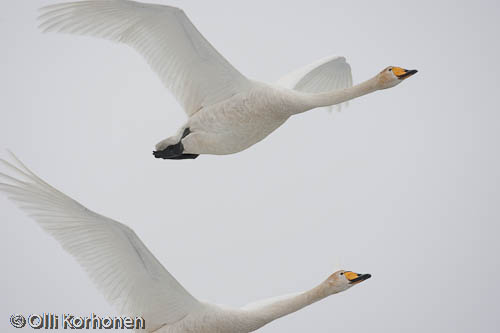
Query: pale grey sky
[{"x": 404, "y": 184}]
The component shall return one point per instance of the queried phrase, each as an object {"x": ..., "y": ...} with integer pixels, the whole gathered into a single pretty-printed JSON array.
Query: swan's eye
[
  {"x": 390, "y": 69},
  {"x": 342, "y": 273}
]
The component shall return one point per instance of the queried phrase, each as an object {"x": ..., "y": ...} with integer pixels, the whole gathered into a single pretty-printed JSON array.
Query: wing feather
[
  {"x": 186, "y": 62},
  {"x": 328, "y": 74},
  {"x": 117, "y": 261}
]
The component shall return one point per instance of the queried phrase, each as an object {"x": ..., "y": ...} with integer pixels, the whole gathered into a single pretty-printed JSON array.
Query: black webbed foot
[{"x": 174, "y": 152}]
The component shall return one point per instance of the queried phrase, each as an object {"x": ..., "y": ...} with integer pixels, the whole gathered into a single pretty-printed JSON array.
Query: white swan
[
  {"x": 227, "y": 112},
  {"x": 132, "y": 279}
]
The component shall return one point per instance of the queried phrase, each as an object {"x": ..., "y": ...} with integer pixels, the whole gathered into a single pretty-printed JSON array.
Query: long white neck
[
  {"x": 272, "y": 309},
  {"x": 312, "y": 101}
]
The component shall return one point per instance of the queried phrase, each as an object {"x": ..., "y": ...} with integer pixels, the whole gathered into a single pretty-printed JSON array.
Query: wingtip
[
  {"x": 10, "y": 152},
  {"x": 14, "y": 157}
]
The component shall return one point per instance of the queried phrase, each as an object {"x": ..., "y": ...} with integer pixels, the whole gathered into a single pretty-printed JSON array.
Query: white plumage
[
  {"x": 227, "y": 112},
  {"x": 130, "y": 277},
  {"x": 187, "y": 64},
  {"x": 123, "y": 269},
  {"x": 327, "y": 74}
]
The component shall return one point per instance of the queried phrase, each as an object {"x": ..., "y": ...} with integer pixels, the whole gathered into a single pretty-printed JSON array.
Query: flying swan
[
  {"x": 131, "y": 278},
  {"x": 227, "y": 112}
]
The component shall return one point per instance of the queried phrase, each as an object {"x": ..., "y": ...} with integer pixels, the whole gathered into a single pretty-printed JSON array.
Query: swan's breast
[{"x": 239, "y": 122}]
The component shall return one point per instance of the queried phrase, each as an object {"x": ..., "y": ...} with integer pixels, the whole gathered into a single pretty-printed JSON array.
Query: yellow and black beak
[
  {"x": 402, "y": 73},
  {"x": 355, "y": 278}
]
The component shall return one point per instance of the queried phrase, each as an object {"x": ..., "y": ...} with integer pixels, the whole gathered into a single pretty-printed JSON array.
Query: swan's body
[
  {"x": 238, "y": 122},
  {"x": 132, "y": 279},
  {"x": 227, "y": 112}
]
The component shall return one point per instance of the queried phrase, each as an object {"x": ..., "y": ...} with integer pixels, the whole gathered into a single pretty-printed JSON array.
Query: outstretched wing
[
  {"x": 328, "y": 74},
  {"x": 187, "y": 64},
  {"x": 121, "y": 266}
]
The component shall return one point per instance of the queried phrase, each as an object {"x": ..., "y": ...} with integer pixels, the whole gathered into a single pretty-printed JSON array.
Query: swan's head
[
  {"x": 343, "y": 280},
  {"x": 392, "y": 76}
]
